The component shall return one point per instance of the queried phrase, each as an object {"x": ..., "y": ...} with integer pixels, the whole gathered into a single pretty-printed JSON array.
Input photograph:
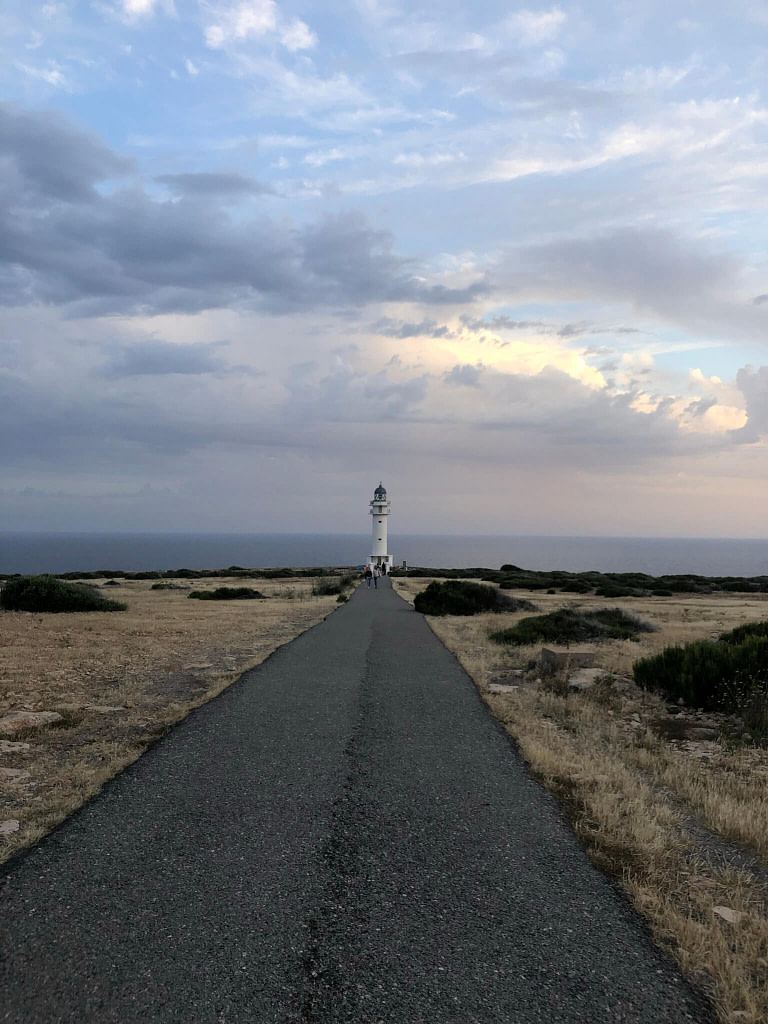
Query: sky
[{"x": 508, "y": 259}]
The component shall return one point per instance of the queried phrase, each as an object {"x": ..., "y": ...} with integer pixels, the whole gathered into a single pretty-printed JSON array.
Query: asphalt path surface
[{"x": 344, "y": 835}]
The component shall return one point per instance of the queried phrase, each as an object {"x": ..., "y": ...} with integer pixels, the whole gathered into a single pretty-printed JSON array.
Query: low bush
[
  {"x": 612, "y": 591},
  {"x": 459, "y": 597},
  {"x": 327, "y": 586},
  {"x": 568, "y": 625},
  {"x": 47, "y": 594},
  {"x": 742, "y": 633},
  {"x": 716, "y": 675},
  {"x": 576, "y": 587},
  {"x": 227, "y": 594}
]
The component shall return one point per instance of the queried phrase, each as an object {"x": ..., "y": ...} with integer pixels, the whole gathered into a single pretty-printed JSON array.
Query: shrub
[
  {"x": 742, "y": 633},
  {"x": 713, "y": 675},
  {"x": 458, "y": 597},
  {"x": 330, "y": 585},
  {"x": 47, "y": 594},
  {"x": 612, "y": 591},
  {"x": 569, "y": 625},
  {"x": 227, "y": 594},
  {"x": 576, "y": 587}
]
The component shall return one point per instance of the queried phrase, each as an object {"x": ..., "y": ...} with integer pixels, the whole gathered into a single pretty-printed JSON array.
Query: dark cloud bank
[{"x": 77, "y": 231}]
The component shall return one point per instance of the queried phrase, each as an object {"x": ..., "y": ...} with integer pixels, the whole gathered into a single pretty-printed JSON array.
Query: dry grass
[
  {"x": 150, "y": 665},
  {"x": 655, "y": 812}
]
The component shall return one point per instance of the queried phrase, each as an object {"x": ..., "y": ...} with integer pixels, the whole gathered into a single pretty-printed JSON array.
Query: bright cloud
[
  {"x": 529, "y": 28},
  {"x": 254, "y": 19}
]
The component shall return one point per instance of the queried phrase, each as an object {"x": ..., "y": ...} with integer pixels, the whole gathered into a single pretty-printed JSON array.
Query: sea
[{"x": 32, "y": 553}]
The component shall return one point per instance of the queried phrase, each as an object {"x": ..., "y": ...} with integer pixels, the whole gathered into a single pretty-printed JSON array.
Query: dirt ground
[
  {"x": 672, "y": 803},
  {"x": 119, "y": 680}
]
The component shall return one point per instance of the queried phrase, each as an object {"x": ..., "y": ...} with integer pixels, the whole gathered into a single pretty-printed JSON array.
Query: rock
[
  {"x": 571, "y": 657},
  {"x": 13, "y": 775},
  {"x": 9, "y": 826},
  {"x": 700, "y": 733},
  {"x": 19, "y": 720},
  {"x": 584, "y": 678},
  {"x": 102, "y": 709},
  {"x": 729, "y": 914},
  {"x": 8, "y": 747},
  {"x": 513, "y": 675}
]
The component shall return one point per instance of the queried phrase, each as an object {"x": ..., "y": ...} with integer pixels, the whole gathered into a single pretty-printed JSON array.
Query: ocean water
[{"x": 37, "y": 553}]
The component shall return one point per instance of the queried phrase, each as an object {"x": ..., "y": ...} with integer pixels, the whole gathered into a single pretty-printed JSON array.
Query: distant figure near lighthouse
[{"x": 380, "y": 509}]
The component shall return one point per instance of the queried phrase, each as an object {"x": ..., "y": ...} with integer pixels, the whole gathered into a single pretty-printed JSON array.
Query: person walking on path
[
  {"x": 376, "y": 575},
  {"x": 368, "y": 576}
]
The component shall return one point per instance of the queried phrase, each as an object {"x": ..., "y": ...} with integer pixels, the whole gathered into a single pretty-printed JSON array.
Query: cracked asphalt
[{"x": 344, "y": 835}]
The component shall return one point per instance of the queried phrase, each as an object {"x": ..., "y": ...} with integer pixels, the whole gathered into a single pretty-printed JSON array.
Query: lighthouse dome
[{"x": 380, "y": 492}]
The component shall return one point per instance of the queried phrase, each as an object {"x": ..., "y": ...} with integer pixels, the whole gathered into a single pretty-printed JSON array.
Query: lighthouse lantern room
[{"x": 380, "y": 509}]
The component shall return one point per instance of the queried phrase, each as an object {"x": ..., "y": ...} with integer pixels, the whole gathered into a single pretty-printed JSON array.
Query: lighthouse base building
[{"x": 380, "y": 510}]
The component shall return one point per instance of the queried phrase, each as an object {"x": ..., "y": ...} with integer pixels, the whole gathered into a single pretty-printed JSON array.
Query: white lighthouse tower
[{"x": 380, "y": 509}]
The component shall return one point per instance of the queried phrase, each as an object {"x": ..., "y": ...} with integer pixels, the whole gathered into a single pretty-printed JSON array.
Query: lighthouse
[{"x": 380, "y": 509}]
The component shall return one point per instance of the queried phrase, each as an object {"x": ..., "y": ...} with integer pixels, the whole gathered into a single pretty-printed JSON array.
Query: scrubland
[
  {"x": 670, "y": 802},
  {"x": 121, "y": 680}
]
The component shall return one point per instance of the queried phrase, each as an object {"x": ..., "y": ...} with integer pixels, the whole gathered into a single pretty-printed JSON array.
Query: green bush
[
  {"x": 709, "y": 674},
  {"x": 327, "y": 586},
  {"x": 47, "y": 594},
  {"x": 742, "y": 633},
  {"x": 227, "y": 594},
  {"x": 576, "y": 587},
  {"x": 611, "y": 591},
  {"x": 459, "y": 597},
  {"x": 569, "y": 625}
]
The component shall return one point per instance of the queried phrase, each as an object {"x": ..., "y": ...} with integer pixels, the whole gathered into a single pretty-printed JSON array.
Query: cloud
[
  {"x": 297, "y": 36},
  {"x": 753, "y": 384},
  {"x": 464, "y": 376},
  {"x": 529, "y": 28},
  {"x": 159, "y": 358},
  {"x": 346, "y": 394},
  {"x": 64, "y": 241},
  {"x": 213, "y": 184},
  {"x": 44, "y": 158},
  {"x": 248, "y": 19},
  {"x": 131, "y": 11},
  {"x": 52, "y": 74},
  {"x": 254, "y": 19},
  {"x": 652, "y": 269},
  {"x": 390, "y": 328}
]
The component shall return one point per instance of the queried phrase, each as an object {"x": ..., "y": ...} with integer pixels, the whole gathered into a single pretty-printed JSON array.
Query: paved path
[{"x": 345, "y": 835}]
